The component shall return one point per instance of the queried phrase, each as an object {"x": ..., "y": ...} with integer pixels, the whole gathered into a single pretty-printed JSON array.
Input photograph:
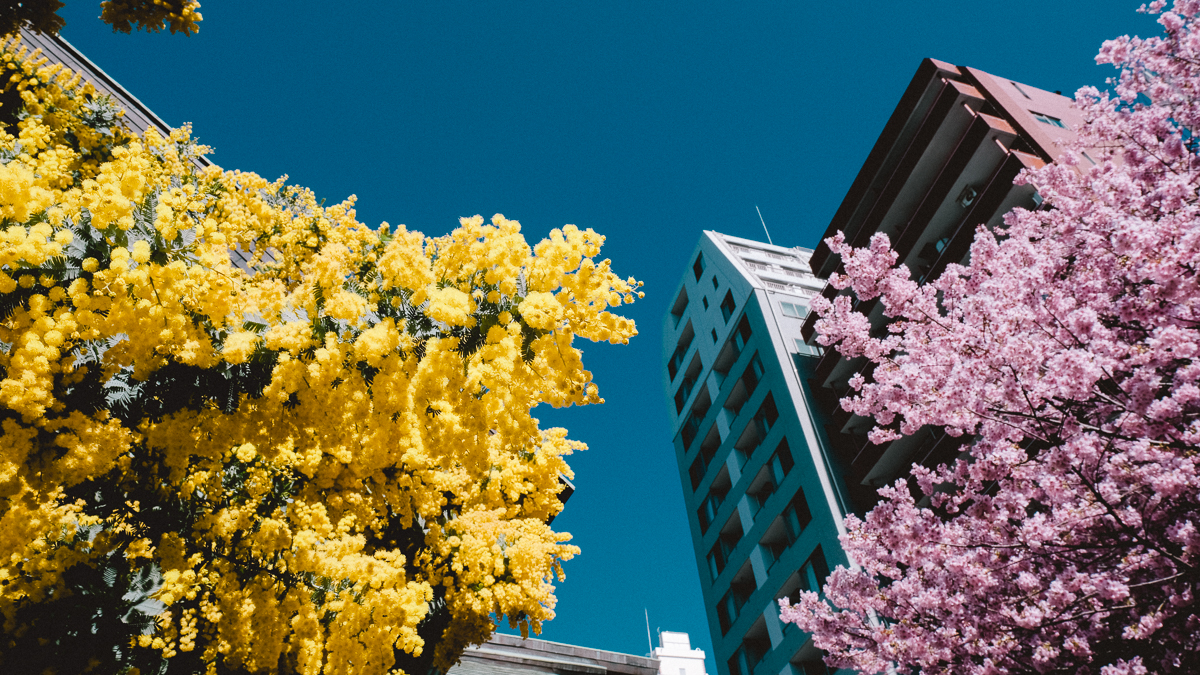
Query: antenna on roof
[
  {"x": 760, "y": 219},
  {"x": 648, "y": 640}
]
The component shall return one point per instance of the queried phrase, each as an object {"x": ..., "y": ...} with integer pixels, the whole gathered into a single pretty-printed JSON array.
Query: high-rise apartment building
[
  {"x": 769, "y": 461},
  {"x": 944, "y": 165},
  {"x": 764, "y": 504}
]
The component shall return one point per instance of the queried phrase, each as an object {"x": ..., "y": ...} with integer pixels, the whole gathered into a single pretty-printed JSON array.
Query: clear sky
[{"x": 647, "y": 120}]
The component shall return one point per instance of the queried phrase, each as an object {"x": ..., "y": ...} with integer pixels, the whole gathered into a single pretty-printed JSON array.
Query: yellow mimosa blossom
[{"x": 449, "y": 305}]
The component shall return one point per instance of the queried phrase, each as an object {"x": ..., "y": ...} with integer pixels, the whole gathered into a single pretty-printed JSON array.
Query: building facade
[
  {"x": 770, "y": 463},
  {"x": 944, "y": 165},
  {"x": 764, "y": 505}
]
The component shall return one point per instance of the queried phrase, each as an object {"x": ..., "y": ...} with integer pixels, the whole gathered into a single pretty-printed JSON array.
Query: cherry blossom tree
[{"x": 1065, "y": 539}]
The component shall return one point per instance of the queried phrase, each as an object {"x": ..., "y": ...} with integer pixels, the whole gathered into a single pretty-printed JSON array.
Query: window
[
  {"x": 796, "y": 310},
  {"x": 715, "y": 284},
  {"x": 713, "y": 500},
  {"x": 692, "y": 426},
  {"x": 810, "y": 577},
  {"x": 796, "y": 516},
  {"x": 747, "y": 657},
  {"x": 705, "y": 301},
  {"x": 1046, "y": 119},
  {"x": 741, "y": 587},
  {"x": 682, "y": 394},
  {"x": 696, "y": 471},
  {"x": 727, "y": 306},
  {"x": 733, "y": 347},
  {"x": 731, "y": 534},
  {"x": 708, "y": 450},
  {"x": 747, "y": 382},
  {"x": 967, "y": 196},
  {"x": 727, "y": 611},
  {"x": 786, "y": 528},
  {"x": 688, "y": 384},
  {"x": 680, "y": 306},
  {"x": 737, "y": 661},
  {"x": 753, "y": 374},
  {"x": 770, "y": 476},
  {"x": 698, "y": 266},
  {"x": 765, "y": 418},
  {"x": 708, "y": 510},
  {"x": 685, "y": 341},
  {"x": 756, "y": 430},
  {"x": 815, "y": 571},
  {"x": 743, "y": 334},
  {"x": 805, "y": 349},
  {"x": 714, "y": 335},
  {"x": 782, "y": 462}
]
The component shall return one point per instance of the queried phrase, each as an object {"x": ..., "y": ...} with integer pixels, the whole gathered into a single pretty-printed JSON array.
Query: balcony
[
  {"x": 690, "y": 378},
  {"x": 679, "y": 307},
  {"x": 745, "y": 386},
  {"x": 713, "y": 500},
  {"x": 691, "y": 427},
  {"x": 681, "y": 348}
]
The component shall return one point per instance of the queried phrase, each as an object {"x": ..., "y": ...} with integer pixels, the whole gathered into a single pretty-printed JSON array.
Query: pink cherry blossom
[{"x": 1065, "y": 539}]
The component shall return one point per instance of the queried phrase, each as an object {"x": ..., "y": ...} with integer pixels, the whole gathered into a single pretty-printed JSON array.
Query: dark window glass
[
  {"x": 814, "y": 572},
  {"x": 691, "y": 427},
  {"x": 725, "y": 620},
  {"x": 797, "y": 516},
  {"x": 685, "y": 341},
  {"x": 753, "y": 374},
  {"x": 736, "y": 661},
  {"x": 727, "y": 306},
  {"x": 685, "y": 390},
  {"x": 708, "y": 510},
  {"x": 753, "y": 651},
  {"x": 696, "y": 472},
  {"x": 782, "y": 462},
  {"x": 743, "y": 334},
  {"x": 766, "y": 417}
]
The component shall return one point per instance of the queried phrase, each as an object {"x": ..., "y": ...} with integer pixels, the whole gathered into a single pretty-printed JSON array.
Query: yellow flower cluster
[{"x": 326, "y": 453}]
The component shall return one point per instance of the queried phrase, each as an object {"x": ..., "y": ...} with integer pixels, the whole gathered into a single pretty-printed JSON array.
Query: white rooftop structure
[{"x": 676, "y": 656}]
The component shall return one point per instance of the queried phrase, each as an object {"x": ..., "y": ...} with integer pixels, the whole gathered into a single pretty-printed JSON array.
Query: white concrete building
[{"x": 764, "y": 504}]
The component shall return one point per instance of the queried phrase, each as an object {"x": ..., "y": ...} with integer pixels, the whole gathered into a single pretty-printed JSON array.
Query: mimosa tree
[{"x": 243, "y": 432}]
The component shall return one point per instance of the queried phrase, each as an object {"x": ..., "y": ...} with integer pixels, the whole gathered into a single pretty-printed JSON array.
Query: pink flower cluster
[{"x": 1068, "y": 538}]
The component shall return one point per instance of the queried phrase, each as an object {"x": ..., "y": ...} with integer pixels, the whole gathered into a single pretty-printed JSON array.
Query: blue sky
[{"x": 646, "y": 120}]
